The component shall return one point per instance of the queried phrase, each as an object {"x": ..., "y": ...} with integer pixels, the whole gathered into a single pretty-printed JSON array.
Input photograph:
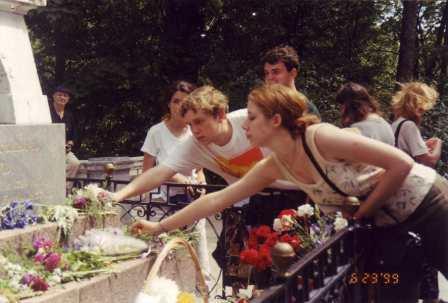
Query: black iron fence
[{"x": 322, "y": 275}]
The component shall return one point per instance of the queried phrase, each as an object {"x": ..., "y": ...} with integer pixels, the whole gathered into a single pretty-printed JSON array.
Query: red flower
[
  {"x": 272, "y": 239},
  {"x": 252, "y": 243},
  {"x": 38, "y": 284},
  {"x": 52, "y": 261},
  {"x": 294, "y": 240},
  {"x": 287, "y": 212},
  {"x": 249, "y": 256},
  {"x": 263, "y": 231},
  {"x": 264, "y": 258}
]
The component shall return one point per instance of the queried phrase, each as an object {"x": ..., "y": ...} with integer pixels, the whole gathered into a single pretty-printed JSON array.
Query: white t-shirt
[
  {"x": 159, "y": 143},
  {"x": 231, "y": 161},
  {"x": 376, "y": 128},
  {"x": 410, "y": 139}
]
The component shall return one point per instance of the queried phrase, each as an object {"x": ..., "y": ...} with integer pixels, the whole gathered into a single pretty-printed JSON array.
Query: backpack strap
[{"x": 397, "y": 131}]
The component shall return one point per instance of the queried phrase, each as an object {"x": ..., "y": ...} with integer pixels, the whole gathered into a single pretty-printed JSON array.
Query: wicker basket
[{"x": 164, "y": 253}]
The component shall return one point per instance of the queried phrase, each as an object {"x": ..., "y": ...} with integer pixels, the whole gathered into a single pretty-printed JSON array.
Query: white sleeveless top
[{"x": 358, "y": 179}]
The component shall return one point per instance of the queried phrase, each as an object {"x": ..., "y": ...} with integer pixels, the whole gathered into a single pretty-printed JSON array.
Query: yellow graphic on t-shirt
[{"x": 240, "y": 165}]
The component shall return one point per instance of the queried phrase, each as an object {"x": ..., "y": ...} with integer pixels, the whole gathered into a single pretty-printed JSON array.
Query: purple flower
[
  {"x": 14, "y": 204},
  {"x": 79, "y": 202},
  {"x": 28, "y": 204},
  {"x": 7, "y": 224},
  {"x": 27, "y": 279},
  {"x": 52, "y": 261},
  {"x": 20, "y": 223}
]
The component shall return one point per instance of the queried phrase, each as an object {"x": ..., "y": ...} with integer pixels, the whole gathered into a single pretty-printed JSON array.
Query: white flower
[
  {"x": 93, "y": 189},
  {"x": 160, "y": 290},
  {"x": 305, "y": 210},
  {"x": 54, "y": 280},
  {"x": 277, "y": 225},
  {"x": 340, "y": 223},
  {"x": 287, "y": 222}
]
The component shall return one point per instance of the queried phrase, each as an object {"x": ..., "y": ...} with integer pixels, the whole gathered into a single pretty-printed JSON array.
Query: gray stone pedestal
[{"x": 32, "y": 163}]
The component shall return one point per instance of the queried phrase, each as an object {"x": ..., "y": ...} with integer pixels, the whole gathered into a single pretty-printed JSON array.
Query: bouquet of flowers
[
  {"x": 303, "y": 229},
  {"x": 43, "y": 265},
  {"x": 110, "y": 242},
  {"x": 92, "y": 200}
]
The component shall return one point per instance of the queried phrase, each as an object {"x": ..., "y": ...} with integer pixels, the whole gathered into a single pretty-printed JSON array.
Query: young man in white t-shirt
[{"x": 219, "y": 144}]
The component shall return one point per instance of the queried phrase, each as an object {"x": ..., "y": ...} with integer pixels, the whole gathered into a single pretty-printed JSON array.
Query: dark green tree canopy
[{"x": 118, "y": 56}]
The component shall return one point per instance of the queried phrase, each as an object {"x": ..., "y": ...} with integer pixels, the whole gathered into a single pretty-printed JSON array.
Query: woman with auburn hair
[
  {"x": 360, "y": 110},
  {"x": 414, "y": 195},
  {"x": 409, "y": 104}
]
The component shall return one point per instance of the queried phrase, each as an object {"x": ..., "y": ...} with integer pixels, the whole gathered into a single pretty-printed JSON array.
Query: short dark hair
[
  {"x": 63, "y": 89},
  {"x": 357, "y": 101},
  {"x": 285, "y": 54},
  {"x": 179, "y": 86}
]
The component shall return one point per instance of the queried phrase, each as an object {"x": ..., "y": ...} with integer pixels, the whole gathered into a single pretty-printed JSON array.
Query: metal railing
[{"x": 319, "y": 276}]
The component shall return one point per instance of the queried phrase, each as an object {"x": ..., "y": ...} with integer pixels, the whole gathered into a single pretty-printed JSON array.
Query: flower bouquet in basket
[{"x": 159, "y": 289}]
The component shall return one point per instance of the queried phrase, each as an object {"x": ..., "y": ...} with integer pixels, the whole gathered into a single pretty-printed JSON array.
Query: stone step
[{"x": 121, "y": 286}]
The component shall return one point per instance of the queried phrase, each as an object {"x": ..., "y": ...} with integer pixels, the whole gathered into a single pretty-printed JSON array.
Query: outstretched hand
[{"x": 145, "y": 227}]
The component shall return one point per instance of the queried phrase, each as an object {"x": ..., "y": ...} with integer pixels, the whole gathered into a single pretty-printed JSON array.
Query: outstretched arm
[
  {"x": 336, "y": 144},
  {"x": 147, "y": 181},
  {"x": 259, "y": 177}
]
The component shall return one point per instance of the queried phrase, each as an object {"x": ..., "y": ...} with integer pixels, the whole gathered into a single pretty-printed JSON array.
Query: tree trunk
[
  {"x": 437, "y": 45},
  {"x": 408, "y": 53}
]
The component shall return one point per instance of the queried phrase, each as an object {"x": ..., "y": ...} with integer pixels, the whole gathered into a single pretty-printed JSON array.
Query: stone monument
[{"x": 32, "y": 150}]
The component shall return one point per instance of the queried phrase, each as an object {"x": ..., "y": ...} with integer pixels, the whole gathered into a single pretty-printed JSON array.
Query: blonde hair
[
  {"x": 206, "y": 98},
  {"x": 290, "y": 104},
  {"x": 413, "y": 96}
]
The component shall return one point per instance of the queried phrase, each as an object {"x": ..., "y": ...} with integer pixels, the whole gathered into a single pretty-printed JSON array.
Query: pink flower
[
  {"x": 52, "y": 261},
  {"x": 42, "y": 242},
  {"x": 79, "y": 202},
  {"x": 39, "y": 258},
  {"x": 103, "y": 197}
]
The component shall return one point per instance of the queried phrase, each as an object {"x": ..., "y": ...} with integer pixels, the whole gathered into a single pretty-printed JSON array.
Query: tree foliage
[{"x": 118, "y": 56}]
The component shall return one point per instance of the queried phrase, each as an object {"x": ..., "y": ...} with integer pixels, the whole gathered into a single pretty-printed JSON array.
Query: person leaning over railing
[
  {"x": 412, "y": 193},
  {"x": 163, "y": 138}
]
